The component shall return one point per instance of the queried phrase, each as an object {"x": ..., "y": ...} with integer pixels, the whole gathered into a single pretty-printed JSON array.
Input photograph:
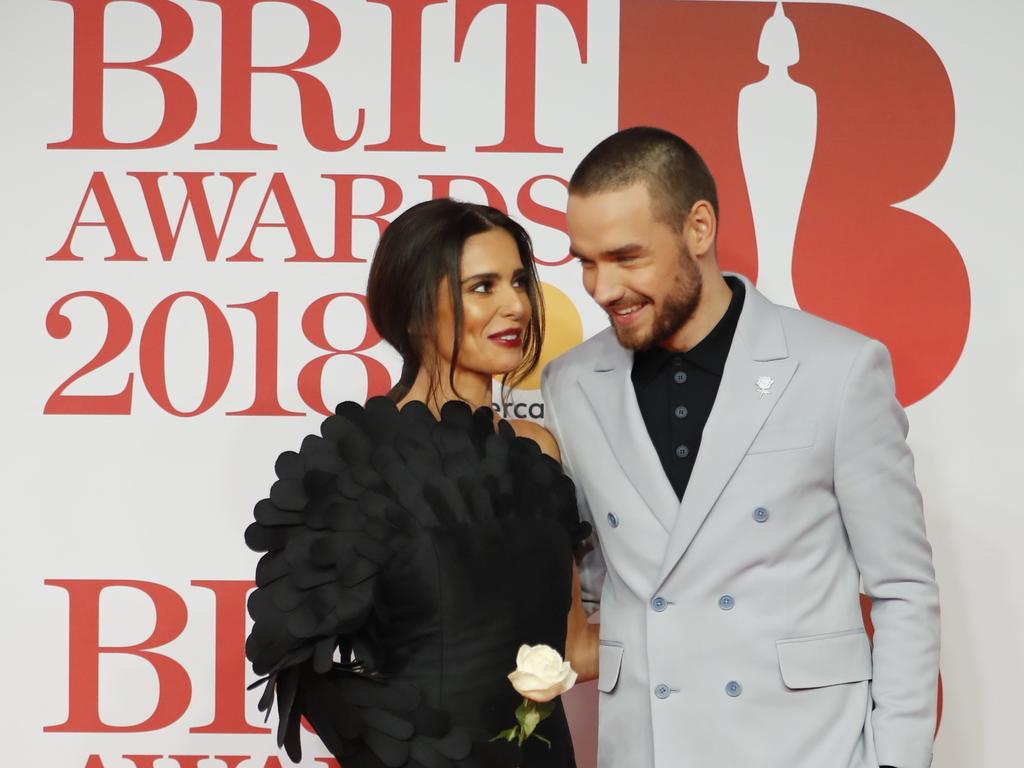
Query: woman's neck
[{"x": 433, "y": 387}]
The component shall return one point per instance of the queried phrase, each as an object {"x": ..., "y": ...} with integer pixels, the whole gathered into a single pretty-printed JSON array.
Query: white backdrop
[{"x": 124, "y": 517}]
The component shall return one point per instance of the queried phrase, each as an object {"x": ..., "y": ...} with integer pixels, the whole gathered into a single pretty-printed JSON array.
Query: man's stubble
[{"x": 678, "y": 307}]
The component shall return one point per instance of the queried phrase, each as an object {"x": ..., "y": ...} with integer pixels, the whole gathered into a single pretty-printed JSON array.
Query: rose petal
[
  {"x": 535, "y": 689},
  {"x": 540, "y": 660},
  {"x": 541, "y": 674},
  {"x": 521, "y": 656},
  {"x": 570, "y": 681}
]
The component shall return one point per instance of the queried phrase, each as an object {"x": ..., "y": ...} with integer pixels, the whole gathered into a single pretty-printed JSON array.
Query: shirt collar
[{"x": 710, "y": 353}]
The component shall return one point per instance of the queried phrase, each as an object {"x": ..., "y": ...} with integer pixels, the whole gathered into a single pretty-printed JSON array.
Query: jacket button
[
  {"x": 659, "y": 603},
  {"x": 662, "y": 691},
  {"x": 734, "y": 689},
  {"x": 760, "y": 514},
  {"x": 726, "y": 602},
  {"x": 613, "y": 521}
]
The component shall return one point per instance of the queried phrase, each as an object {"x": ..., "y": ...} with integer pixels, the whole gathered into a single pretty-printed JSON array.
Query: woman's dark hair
[{"x": 416, "y": 252}]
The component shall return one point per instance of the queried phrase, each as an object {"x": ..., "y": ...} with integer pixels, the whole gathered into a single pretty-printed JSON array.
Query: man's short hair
[{"x": 674, "y": 172}]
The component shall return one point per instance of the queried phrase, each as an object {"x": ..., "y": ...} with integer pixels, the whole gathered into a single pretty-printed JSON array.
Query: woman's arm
[
  {"x": 582, "y": 637},
  {"x": 581, "y": 640}
]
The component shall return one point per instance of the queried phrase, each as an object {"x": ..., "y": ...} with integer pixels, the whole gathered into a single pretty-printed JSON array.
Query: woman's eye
[
  {"x": 521, "y": 282},
  {"x": 484, "y": 287}
]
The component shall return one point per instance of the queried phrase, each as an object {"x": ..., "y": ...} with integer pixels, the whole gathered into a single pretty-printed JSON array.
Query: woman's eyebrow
[
  {"x": 480, "y": 276},
  {"x": 491, "y": 275}
]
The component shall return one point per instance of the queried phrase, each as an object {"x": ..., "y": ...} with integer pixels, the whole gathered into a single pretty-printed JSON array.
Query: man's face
[{"x": 635, "y": 266}]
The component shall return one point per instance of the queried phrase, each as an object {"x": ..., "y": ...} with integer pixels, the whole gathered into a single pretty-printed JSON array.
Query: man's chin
[{"x": 632, "y": 338}]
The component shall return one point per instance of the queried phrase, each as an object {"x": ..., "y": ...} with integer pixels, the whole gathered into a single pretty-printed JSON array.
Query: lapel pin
[{"x": 764, "y": 384}]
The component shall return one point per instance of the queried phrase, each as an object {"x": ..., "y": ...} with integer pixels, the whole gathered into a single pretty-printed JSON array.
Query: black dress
[{"x": 407, "y": 559}]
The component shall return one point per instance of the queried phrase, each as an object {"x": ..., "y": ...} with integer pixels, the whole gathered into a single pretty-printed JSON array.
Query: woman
[{"x": 416, "y": 544}]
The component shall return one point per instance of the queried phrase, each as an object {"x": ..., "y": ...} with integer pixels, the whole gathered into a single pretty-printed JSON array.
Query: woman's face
[{"x": 495, "y": 306}]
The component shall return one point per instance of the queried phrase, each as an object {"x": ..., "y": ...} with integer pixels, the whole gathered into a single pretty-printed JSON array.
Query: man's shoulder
[
  {"x": 807, "y": 333},
  {"x": 583, "y": 356}
]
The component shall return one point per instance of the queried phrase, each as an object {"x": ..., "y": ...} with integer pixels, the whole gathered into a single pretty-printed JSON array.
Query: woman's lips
[{"x": 510, "y": 337}]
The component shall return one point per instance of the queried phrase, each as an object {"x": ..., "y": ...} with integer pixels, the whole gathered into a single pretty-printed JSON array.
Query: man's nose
[{"x": 603, "y": 284}]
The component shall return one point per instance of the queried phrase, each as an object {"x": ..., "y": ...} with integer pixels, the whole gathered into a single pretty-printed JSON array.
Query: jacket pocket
[
  {"x": 784, "y": 437},
  {"x": 821, "y": 660},
  {"x": 608, "y": 665}
]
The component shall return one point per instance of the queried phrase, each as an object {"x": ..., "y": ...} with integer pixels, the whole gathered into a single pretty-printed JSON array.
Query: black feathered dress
[{"x": 407, "y": 559}]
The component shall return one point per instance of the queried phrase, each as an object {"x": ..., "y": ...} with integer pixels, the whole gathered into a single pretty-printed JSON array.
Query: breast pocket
[
  {"x": 784, "y": 437},
  {"x": 608, "y": 665},
  {"x": 822, "y": 660}
]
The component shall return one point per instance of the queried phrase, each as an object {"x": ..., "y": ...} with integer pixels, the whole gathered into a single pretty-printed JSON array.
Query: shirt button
[
  {"x": 659, "y": 604},
  {"x": 679, "y": 377},
  {"x": 613, "y": 521},
  {"x": 726, "y": 602},
  {"x": 681, "y": 411},
  {"x": 760, "y": 514},
  {"x": 734, "y": 689},
  {"x": 682, "y": 452},
  {"x": 662, "y": 691}
]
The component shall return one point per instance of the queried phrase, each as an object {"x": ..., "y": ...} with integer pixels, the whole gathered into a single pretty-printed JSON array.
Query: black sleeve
[{"x": 327, "y": 529}]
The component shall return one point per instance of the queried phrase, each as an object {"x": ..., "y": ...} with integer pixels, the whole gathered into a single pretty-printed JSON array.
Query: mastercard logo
[{"x": 563, "y": 331}]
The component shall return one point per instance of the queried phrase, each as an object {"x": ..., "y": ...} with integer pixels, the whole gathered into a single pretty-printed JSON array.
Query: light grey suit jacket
[{"x": 731, "y": 630}]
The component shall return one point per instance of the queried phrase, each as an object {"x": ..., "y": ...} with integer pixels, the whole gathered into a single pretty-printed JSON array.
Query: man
[{"x": 744, "y": 466}]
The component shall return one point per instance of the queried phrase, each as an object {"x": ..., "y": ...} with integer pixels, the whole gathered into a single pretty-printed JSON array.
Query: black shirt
[{"x": 676, "y": 390}]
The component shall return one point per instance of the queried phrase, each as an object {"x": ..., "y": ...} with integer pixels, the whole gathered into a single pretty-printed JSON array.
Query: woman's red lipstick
[{"x": 509, "y": 337}]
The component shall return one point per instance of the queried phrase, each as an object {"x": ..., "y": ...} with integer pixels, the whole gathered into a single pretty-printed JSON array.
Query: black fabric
[
  {"x": 407, "y": 559},
  {"x": 676, "y": 390}
]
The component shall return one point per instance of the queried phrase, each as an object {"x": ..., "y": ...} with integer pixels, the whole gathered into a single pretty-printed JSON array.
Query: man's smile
[{"x": 626, "y": 315}]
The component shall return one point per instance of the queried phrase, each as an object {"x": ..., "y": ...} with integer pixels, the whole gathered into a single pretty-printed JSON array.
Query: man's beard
[{"x": 676, "y": 310}]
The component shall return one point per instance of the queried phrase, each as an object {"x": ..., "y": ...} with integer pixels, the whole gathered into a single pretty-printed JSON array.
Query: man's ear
[{"x": 701, "y": 229}]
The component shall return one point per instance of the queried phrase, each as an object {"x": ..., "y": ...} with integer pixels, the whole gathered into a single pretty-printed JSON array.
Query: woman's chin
[
  {"x": 494, "y": 363},
  {"x": 499, "y": 369}
]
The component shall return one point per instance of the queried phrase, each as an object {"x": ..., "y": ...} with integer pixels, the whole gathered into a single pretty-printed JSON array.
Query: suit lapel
[
  {"x": 609, "y": 390},
  {"x": 758, "y": 353}
]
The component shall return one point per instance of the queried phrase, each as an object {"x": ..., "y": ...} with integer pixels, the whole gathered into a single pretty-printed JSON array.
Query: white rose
[{"x": 541, "y": 674}]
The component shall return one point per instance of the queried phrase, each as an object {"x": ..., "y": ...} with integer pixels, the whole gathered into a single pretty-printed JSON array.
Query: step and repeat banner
[{"x": 194, "y": 188}]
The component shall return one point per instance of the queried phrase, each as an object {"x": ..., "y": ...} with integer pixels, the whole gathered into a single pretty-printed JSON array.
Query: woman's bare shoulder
[{"x": 539, "y": 435}]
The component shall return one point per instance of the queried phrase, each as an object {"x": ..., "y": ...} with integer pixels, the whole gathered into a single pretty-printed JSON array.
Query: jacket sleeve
[
  {"x": 882, "y": 511},
  {"x": 328, "y": 529},
  {"x": 590, "y": 559}
]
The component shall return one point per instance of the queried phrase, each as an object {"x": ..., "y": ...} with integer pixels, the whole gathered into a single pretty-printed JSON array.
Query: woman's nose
[{"x": 515, "y": 304}]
